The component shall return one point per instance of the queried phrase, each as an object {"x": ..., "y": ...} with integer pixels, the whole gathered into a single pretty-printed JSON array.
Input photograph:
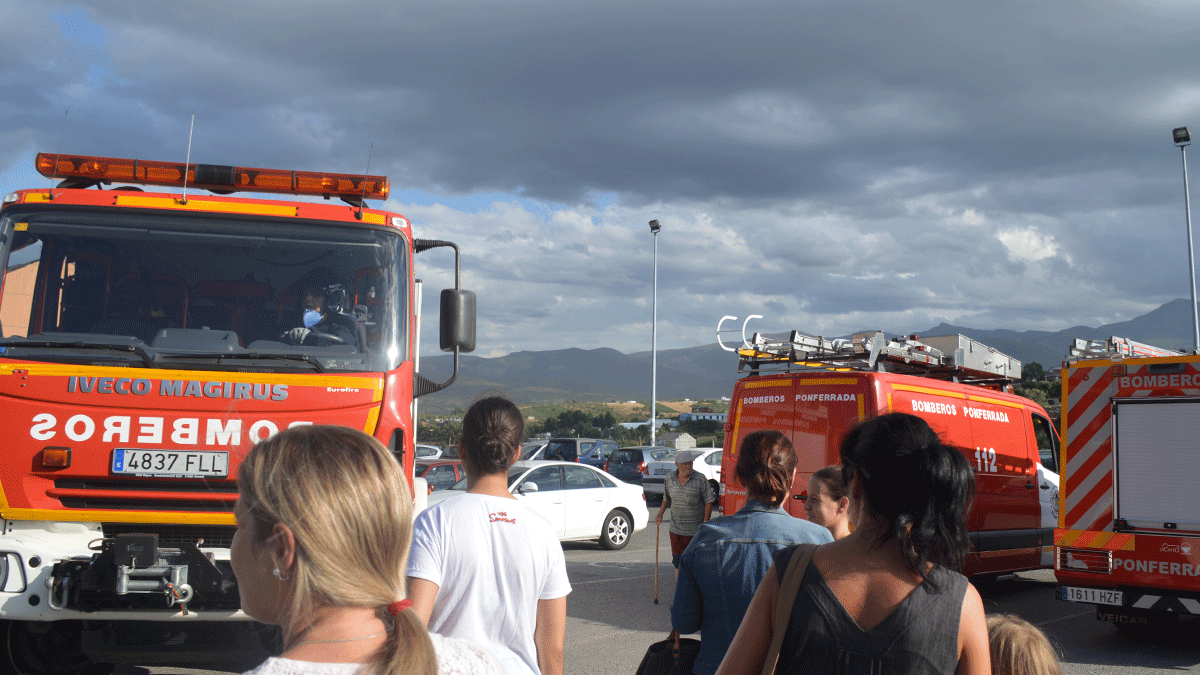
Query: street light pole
[
  {"x": 654, "y": 228},
  {"x": 1182, "y": 140}
]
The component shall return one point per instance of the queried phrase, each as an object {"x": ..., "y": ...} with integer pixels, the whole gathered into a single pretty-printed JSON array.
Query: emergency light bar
[{"x": 212, "y": 177}]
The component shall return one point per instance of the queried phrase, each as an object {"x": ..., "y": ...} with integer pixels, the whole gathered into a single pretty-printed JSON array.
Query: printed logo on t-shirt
[{"x": 501, "y": 517}]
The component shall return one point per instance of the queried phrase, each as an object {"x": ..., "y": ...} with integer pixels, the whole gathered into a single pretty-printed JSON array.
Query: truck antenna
[
  {"x": 54, "y": 174},
  {"x": 363, "y": 197},
  {"x": 186, "y": 162}
]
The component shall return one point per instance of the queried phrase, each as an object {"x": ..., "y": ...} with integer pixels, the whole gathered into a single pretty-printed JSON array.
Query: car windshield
[
  {"x": 530, "y": 449},
  {"x": 420, "y": 469},
  {"x": 514, "y": 474},
  {"x": 660, "y": 454},
  {"x": 203, "y": 292}
]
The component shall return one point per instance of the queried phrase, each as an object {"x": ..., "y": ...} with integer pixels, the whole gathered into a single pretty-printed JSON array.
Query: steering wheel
[{"x": 330, "y": 337}]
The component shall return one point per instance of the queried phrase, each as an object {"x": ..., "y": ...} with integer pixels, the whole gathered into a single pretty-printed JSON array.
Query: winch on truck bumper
[{"x": 132, "y": 572}]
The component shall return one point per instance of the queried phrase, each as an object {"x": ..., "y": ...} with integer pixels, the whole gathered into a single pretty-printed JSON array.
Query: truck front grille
[
  {"x": 145, "y": 495},
  {"x": 213, "y": 536}
]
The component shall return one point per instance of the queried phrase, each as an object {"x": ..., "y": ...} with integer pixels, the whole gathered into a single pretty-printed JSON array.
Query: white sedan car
[
  {"x": 707, "y": 464},
  {"x": 582, "y": 502}
]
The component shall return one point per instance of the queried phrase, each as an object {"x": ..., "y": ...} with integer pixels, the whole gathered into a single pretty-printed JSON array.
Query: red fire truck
[
  {"x": 814, "y": 390},
  {"x": 150, "y": 338},
  {"x": 1128, "y": 539}
]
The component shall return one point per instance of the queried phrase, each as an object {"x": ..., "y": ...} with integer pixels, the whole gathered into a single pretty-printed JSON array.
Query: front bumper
[{"x": 58, "y": 571}]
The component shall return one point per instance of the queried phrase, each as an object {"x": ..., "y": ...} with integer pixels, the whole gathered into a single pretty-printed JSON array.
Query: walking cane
[{"x": 657, "y": 536}]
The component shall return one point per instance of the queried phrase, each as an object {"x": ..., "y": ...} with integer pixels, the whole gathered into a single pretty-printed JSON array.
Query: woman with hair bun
[
  {"x": 728, "y": 557},
  {"x": 324, "y": 521},
  {"x": 485, "y": 566},
  {"x": 888, "y": 599}
]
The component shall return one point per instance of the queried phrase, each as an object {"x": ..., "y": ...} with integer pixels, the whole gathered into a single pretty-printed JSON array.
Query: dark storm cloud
[{"x": 833, "y": 165}]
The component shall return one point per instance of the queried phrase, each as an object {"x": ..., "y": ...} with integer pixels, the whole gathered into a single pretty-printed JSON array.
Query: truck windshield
[{"x": 201, "y": 292}]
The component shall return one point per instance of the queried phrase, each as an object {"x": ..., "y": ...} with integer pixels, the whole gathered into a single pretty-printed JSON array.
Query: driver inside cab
[{"x": 322, "y": 300}]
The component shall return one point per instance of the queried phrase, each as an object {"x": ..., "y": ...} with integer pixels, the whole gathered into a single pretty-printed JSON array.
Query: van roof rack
[
  {"x": 1114, "y": 348},
  {"x": 955, "y": 358}
]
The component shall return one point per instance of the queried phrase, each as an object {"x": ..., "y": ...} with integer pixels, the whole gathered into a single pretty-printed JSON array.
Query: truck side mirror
[
  {"x": 457, "y": 325},
  {"x": 457, "y": 321}
]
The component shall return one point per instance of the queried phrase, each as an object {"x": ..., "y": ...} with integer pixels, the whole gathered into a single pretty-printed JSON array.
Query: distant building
[
  {"x": 677, "y": 440},
  {"x": 696, "y": 416},
  {"x": 658, "y": 424}
]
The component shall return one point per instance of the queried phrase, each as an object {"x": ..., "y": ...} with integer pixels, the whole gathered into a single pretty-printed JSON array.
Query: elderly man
[{"x": 690, "y": 498}]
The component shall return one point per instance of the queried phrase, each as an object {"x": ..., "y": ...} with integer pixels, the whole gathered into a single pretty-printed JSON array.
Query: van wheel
[{"x": 617, "y": 528}]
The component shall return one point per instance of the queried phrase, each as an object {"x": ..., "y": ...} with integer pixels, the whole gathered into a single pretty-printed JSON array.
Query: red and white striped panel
[{"x": 1088, "y": 480}]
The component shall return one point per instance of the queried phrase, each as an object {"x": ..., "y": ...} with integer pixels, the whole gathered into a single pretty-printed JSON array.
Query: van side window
[{"x": 1047, "y": 442}]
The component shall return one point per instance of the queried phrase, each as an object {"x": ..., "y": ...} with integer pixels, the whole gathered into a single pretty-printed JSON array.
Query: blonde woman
[
  {"x": 324, "y": 521},
  {"x": 1019, "y": 647}
]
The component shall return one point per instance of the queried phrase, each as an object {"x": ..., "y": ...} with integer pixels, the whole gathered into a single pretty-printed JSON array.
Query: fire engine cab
[
  {"x": 815, "y": 390},
  {"x": 147, "y": 340},
  {"x": 1128, "y": 540}
]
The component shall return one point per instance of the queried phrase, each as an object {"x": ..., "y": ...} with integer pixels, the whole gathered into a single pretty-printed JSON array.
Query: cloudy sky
[{"x": 832, "y": 165}]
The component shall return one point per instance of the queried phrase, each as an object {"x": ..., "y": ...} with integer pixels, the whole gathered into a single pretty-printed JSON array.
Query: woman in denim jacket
[{"x": 727, "y": 559}]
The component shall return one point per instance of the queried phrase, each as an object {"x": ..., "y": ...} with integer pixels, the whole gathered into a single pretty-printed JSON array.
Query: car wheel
[{"x": 617, "y": 528}]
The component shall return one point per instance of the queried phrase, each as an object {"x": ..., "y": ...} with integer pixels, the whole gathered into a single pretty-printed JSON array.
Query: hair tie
[{"x": 399, "y": 606}]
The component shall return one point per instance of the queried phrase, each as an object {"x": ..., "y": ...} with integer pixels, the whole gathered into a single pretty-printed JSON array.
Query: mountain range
[{"x": 708, "y": 371}]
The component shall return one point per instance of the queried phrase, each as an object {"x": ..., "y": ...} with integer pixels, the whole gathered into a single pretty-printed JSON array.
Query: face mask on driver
[{"x": 311, "y": 318}]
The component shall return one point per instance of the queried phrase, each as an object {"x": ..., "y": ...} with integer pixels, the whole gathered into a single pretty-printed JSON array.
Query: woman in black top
[{"x": 888, "y": 599}]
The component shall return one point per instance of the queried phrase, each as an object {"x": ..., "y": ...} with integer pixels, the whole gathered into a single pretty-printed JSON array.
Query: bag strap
[{"x": 789, "y": 587}]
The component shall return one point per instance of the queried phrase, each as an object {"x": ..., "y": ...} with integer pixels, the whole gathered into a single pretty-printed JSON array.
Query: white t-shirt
[
  {"x": 454, "y": 657},
  {"x": 493, "y": 559}
]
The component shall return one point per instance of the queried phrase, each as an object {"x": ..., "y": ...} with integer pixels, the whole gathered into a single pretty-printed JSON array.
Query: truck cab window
[
  {"x": 1047, "y": 441},
  {"x": 20, "y": 278}
]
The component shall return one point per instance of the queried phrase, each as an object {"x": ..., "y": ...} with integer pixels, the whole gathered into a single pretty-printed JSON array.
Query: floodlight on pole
[
  {"x": 1182, "y": 140},
  {"x": 654, "y": 228}
]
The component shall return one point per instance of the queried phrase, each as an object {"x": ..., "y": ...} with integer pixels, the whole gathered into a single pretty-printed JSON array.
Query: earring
[{"x": 280, "y": 576}]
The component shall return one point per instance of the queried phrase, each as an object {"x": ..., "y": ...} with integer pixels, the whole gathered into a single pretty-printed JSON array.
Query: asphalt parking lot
[{"x": 612, "y": 618}]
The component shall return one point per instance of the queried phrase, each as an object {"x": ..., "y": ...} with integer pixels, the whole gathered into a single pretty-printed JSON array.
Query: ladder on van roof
[
  {"x": 1114, "y": 347},
  {"x": 954, "y": 358}
]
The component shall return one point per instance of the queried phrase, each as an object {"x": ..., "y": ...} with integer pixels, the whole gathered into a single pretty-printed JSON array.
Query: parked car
[
  {"x": 582, "y": 502},
  {"x": 598, "y": 454},
  {"x": 439, "y": 473},
  {"x": 532, "y": 449},
  {"x": 707, "y": 464},
  {"x": 567, "y": 449},
  {"x": 425, "y": 451},
  {"x": 630, "y": 464}
]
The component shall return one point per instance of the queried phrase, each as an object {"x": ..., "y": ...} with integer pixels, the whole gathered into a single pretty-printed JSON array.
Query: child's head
[{"x": 1019, "y": 648}]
